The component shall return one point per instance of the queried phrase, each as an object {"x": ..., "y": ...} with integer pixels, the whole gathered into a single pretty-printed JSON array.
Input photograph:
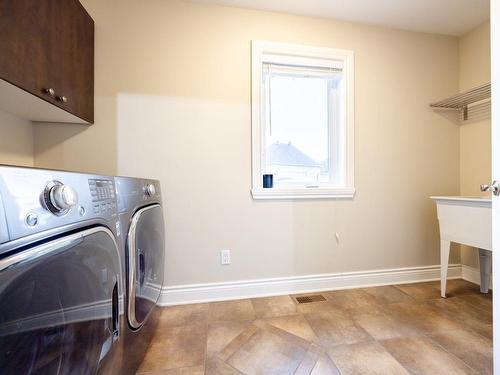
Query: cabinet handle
[
  {"x": 49, "y": 91},
  {"x": 62, "y": 99}
]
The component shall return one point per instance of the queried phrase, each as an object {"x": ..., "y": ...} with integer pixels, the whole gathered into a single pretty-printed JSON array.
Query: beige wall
[
  {"x": 173, "y": 102},
  {"x": 16, "y": 140},
  {"x": 475, "y": 138}
]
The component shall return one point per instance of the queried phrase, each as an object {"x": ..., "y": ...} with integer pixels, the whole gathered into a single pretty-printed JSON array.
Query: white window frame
[{"x": 264, "y": 51}]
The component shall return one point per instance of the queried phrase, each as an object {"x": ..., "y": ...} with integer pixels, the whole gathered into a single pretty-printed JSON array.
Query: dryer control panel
[{"x": 132, "y": 193}]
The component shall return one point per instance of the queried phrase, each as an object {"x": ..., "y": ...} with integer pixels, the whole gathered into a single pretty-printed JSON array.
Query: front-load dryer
[
  {"x": 143, "y": 247},
  {"x": 60, "y": 272}
]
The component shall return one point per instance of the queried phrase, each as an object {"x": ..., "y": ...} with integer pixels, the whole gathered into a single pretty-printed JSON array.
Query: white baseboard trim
[
  {"x": 195, "y": 293},
  {"x": 473, "y": 275}
]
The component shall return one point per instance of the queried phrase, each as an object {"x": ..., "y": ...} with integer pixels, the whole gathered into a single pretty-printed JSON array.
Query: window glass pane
[{"x": 299, "y": 114}]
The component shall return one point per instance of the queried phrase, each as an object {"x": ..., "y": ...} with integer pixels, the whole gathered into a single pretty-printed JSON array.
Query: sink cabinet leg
[
  {"x": 445, "y": 258},
  {"x": 485, "y": 269}
]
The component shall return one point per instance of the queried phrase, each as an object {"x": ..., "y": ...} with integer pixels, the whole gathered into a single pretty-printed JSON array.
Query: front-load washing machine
[
  {"x": 60, "y": 272},
  {"x": 143, "y": 248}
]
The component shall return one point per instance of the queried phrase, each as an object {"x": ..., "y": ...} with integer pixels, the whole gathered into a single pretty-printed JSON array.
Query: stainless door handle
[{"x": 494, "y": 188}]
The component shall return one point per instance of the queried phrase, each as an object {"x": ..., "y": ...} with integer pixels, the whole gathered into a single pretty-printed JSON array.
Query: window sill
[{"x": 304, "y": 193}]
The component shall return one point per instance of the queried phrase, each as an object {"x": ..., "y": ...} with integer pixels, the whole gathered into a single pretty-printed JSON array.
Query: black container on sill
[{"x": 267, "y": 181}]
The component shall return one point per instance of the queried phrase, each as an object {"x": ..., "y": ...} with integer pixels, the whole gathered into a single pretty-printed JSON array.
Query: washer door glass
[
  {"x": 59, "y": 305},
  {"x": 145, "y": 263}
]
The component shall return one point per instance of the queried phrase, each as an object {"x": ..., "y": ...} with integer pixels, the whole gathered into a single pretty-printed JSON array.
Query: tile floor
[{"x": 404, "y": 329}]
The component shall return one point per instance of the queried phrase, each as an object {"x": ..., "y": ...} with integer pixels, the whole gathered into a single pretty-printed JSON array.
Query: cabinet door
[
  {"x": 28, "y": 48},
  {"x": 76, "y": 59},
  {"x": 49, "y": 44}
]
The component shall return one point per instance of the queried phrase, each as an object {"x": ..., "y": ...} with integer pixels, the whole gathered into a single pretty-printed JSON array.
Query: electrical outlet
[{"x": 225, "y": 257}]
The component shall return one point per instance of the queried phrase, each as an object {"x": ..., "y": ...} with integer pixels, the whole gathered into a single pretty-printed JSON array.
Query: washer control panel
[
  {"x": 37, "y": 200},
  {"x": 102, "y": 192}
]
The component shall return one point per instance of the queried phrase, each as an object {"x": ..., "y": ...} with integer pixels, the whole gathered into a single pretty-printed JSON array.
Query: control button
[
  {"x": 81, "y": 210},
  {"x": 150, "y": 190},
  {"x": 59, "y": 198},
  {"x": 96, "y": 208},
  {"x": 63, "y": 197},
  {"x": 31, "y": 220}
]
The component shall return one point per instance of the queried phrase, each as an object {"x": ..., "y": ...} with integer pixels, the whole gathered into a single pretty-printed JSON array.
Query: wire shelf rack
[{"x": 472, "y": 105}]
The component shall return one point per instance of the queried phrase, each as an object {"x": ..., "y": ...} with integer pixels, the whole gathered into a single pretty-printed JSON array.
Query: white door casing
[{"x": 495, "y": 143}]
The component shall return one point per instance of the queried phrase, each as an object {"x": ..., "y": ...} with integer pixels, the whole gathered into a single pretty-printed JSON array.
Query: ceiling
[{"x": 449, "y": 17}]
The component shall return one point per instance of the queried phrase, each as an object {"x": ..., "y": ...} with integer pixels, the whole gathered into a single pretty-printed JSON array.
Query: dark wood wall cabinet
[{"x": 47, "y": 60}]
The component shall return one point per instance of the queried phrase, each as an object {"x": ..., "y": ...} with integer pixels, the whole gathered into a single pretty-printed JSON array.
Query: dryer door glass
[
  {"x": 145, "y": 263},
  {"x": 58, "y": 305}
]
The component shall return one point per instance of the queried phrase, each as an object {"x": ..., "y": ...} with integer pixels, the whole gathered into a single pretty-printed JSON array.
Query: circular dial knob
[
  {"x": 150, "y": 190},
  {"x": 62, "y": 198}
]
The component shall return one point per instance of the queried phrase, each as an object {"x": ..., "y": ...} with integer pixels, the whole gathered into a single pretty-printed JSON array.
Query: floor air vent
[{"x": 310, "y": 298}]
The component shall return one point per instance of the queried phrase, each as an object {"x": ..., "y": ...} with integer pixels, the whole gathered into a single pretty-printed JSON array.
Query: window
[{"x": 302, "y": 121}]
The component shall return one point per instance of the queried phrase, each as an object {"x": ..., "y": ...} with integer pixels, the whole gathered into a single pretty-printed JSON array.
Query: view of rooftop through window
[{"x": 298, "y": 112}]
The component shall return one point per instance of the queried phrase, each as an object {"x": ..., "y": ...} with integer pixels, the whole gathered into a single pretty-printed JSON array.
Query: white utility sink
[{"x": 465, "y": 220}]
